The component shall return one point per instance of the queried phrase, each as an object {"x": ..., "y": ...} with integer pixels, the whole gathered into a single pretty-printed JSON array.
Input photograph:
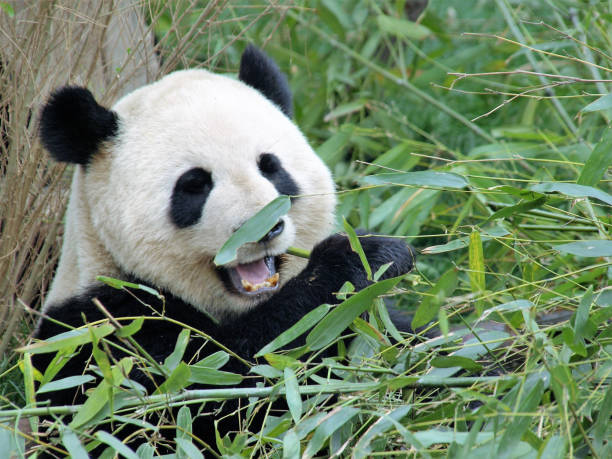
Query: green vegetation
[{"x": 479, "y": 135}]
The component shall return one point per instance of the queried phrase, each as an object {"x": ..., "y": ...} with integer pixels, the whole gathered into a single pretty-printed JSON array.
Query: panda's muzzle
[
  {"x": 252, "y": 278},
  {"x": 257, "y": 276}
]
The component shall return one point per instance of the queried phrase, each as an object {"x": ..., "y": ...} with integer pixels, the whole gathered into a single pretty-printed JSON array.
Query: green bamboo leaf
[
  {"x": 305, "y": 323},
  {"x": 385, "y": 422},
  {"x": 68, "y": 339},
  {"x": 603, "y": 418},
  {"x": 184, "y": 423},
  {"x": 177, "y": 380},
  {"x": 9, "y": 10},
  {"x": 573, "y": 190},
  {"x": 145, "y": 451},
  {"x": 336, "y": 419},
  {"x": 332, "y": 149},
  {"x": 65, "y": 383},
  {"x": 214, "y": 361},
  {"x": 173, "y": 359},
  {"x": 582, "y": 313},
  {"x": 463, "y": 242},
  {"x": 73, "y": 445},
  {"x": 356, "y": 246},
  {"x": 341, "y": 317},
  {"x": 120, "y": 285},
  {"x": 402, "y": 28},
  {"x": 186, "y": 449},
  {"x": 101, "y": 358},
  {"x": 98, "y": 398},
  {"x": 477, "y": 268},
  {"x": 116, "y": 444},
  {"x": 253, "y": 229},
  {"x": 593, "y": 248},
  {"x": 205, "y": 375},
  {"x": 345, "y": 109},
  {"x": 456, "y": 361},
  {"x": 418, "y": 178},
  {"x": 130, "y": 329},
  {"x": 428, "y": 309},
  {"x": 280, "y": 362},
  {"x": 599, "y": 160},
  {"x": 291, "y": 445},
  {"x": 518, "y": 208},
  {"x": 603, "y": 103},
  {"x": 292, "y": 394},
  {"x": 519, "y": 424}
]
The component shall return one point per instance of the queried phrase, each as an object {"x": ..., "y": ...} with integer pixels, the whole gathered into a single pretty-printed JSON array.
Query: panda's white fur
[{"x": 118, "y": 215}]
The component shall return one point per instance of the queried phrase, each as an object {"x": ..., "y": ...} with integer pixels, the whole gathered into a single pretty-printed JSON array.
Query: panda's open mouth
[{"x": 253, "y": 278}]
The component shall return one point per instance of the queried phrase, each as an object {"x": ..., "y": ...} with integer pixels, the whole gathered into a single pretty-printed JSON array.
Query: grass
[{"x": 514, "y": 356}]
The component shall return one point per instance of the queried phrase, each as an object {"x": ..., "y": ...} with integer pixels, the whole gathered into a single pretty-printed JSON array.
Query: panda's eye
[
  {"x": 189, "y": 196},
  {"x": 272, "y": 169},
  {"x": 194, "y": 181},
  {"x": 269, "y": 164}
]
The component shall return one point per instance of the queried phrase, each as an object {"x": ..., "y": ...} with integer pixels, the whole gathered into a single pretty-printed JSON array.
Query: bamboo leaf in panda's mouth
[{"x": 253, "y": 229}]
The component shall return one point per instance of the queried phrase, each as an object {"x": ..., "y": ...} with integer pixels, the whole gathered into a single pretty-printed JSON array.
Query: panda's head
[{"x": 176, "y": 167}]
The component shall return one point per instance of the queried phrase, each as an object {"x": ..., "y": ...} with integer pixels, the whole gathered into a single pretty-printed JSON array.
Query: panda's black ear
[
  {"x": 259, "y": 71},
  {"x": 72, "y": 125}
]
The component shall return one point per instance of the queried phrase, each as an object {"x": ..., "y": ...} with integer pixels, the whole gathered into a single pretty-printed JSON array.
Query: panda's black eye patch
[
  {"x": 272, "y": 169},
  {"x": 189, "y": 196}
]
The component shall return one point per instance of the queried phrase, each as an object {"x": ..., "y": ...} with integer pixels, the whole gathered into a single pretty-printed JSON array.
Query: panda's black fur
[
  {"x": 72, "y": 127},
  {"x": 332, "y": 263}
]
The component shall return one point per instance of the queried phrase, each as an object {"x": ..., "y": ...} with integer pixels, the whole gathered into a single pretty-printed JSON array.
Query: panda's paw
[
  {"x": 335, "y": 253},
  {"x": 381, "y": 250}
]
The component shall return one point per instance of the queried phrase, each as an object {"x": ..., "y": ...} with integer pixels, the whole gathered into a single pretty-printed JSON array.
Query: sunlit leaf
[
  {"x": 428, "y": 309},
  {"x": 573, "y": 190},
  {"x": 253, "y": 229},
  {"x": 402, "y": 27},
  {"x": 599, "y": 160},
  {"x": 418, "y": 178},
  {"x": 341, "y": 317},
  {"x": 593, "y": 248}
]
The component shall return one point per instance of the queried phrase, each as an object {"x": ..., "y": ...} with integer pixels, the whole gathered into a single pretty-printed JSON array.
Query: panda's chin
[{"x": 252, "y": 279}]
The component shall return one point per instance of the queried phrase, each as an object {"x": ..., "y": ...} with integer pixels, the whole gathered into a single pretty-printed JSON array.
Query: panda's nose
[{"x": 274, "y": 232}]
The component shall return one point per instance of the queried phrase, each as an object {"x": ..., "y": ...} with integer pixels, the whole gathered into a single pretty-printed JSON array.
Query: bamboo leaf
[
  {"x": 205, "y": 375},
  {"x": 419, "y": 178},
  {"x": 356, "y": 246},
  {"x": 173, "y": 359},
  {"x": 65, "y": 383},
  {"x": 68, "y": 339},
  {"x": 116, "y": 444},
  {"x": 477, "y": 269},
  {"x": 328, "y": 426},
  {"x": 456, "y": 361},
  {"x": 130, "y": 329},
  {"x": 428, "y": 309},
  {"x": 582, "y": 313},
  {"x": 383, "y": 424},
  {"x": 573, "y": 190},
  {"x": 341, "y": 317},
  {"x": 593, "y": 248},
  {"x": 599, "y": 159},
  {"x": 305, "y": 323},
  {"x": 518, "y": 208},
  {"x": 603, "y": 103},
  {"x": 294, "y": 401},
  {"x": 72, "y": 443},
  {"x": 253, "y": 229},
  {"x": 177, "y": 380},
  {"x": 402, "y": 27}
]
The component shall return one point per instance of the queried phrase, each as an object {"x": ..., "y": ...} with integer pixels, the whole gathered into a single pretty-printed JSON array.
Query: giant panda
[{"x": 161, "y": 181}]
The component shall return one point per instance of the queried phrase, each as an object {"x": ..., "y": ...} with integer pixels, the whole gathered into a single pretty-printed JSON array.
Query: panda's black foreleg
[{"x": 332, "y": 263}]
